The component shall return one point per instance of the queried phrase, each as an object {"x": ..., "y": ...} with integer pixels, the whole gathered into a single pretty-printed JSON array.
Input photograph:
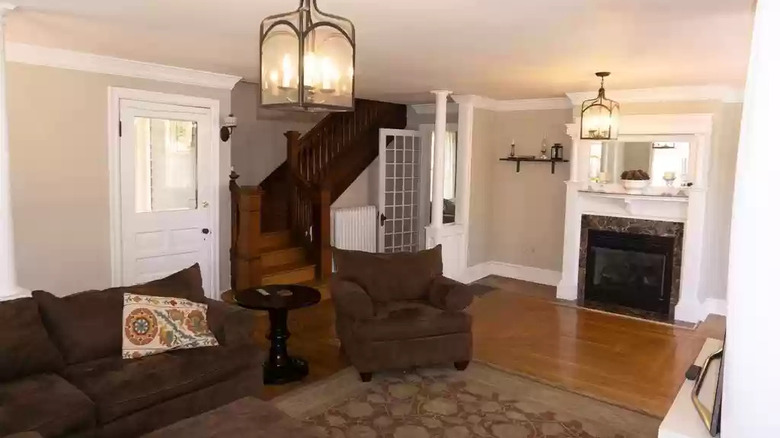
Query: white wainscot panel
[{"x": 452, "y": 238}]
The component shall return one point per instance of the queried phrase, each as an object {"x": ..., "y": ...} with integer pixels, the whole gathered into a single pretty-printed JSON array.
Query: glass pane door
[{"x": 402, "y": 200}]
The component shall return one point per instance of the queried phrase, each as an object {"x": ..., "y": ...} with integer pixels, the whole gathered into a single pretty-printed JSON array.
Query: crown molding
[
  {"x": 665, "y": 94},
  {"x": 430, "y": 108},
  {"x": 513, "y": 105},
  {"x": 70, "y": 60}
]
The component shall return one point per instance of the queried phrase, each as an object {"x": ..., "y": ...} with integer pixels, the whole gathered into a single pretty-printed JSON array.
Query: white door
[
  {"x": 401, "y": 195},
  {"x": 167, "y": 191}
]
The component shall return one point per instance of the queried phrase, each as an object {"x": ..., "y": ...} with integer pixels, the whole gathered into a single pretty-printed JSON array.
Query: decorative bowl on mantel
[{"x": 635, "y": 185}]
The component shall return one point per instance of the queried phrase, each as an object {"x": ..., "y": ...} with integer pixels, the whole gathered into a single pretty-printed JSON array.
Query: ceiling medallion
[
  {"x": 307, "y": 60},
  {"x": 600, "y": 116}
]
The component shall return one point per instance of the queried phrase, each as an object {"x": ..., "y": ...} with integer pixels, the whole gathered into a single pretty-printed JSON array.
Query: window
[{"x": 450, "y": 173}]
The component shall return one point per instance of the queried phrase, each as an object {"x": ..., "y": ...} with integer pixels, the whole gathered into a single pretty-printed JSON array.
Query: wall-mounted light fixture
[{"x": 229, "y": 123}]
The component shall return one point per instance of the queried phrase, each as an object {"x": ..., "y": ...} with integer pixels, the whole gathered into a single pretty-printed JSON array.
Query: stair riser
[
  {"x": 291, "y": 277},
  {"x": 283, "y": 257},
  {"x": 275, "y": 240}
]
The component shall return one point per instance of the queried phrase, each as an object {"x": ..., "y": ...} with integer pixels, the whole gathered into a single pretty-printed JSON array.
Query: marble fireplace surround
[
  {"x": 633, "y": 226},
  {"x": 690, "y": 210}
]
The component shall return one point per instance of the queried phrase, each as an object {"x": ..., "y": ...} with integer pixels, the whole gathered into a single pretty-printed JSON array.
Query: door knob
[
  {"x": 382, "y": 219},
  {"x": 205, "y": 231},
  {"x": 205, "y": 204}
]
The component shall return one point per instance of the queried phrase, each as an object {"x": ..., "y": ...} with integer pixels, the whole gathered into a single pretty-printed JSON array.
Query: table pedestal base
[
  {"x": 294, "y": 370},
  {"x": 280, "y": 368}
]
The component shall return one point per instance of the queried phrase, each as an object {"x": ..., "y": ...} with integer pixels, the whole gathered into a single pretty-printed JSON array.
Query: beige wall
[
  {"x": 528, "y": 207},
  {"x": 59, "y": 175},
  {"x": 258, "y": 143},
  {"x": 517, "y": 218},
  {"x": 480, "y": 208}
]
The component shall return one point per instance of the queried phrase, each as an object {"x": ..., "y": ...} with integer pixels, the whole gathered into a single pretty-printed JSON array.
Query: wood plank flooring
[{"x": 521, "y": 328}]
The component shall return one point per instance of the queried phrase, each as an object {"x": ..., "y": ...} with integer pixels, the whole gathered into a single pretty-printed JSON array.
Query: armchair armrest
[
  {"x": 350, "y": 299},
  {"x": 448, "y": 294},
  {"x": 231, "y": 324}
]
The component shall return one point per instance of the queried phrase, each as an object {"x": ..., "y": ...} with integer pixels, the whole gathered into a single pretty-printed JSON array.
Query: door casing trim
[{"x": 115, "y": 94}]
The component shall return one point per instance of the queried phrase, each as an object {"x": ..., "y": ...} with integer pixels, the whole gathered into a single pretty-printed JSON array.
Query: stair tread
[
  {"x": 273, "y": 270},
  {"x": 272, "y": 250}
]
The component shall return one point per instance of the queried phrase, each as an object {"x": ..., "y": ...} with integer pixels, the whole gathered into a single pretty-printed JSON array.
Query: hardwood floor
[{"x": 520, "y": 327}]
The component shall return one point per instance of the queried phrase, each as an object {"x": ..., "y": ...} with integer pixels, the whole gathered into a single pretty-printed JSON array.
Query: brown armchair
[{"x": 399, "y": 311}]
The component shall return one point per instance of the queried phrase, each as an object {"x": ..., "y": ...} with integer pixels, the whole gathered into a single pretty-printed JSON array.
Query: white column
[
  {"x": 8, "y": 286},
  {"x": 752, "y": 380},
  {"x": 439, "y": 136}
]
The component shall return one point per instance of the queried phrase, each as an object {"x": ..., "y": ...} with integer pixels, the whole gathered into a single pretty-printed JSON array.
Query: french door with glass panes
[
  {"x": 167, "y": 191},
  {"x": 401, "y": 201}
]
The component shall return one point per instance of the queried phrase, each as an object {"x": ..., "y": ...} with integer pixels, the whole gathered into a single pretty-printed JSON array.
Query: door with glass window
[
  {"x": 400, "y": 192},
  {"x": 166, "y": 191}
]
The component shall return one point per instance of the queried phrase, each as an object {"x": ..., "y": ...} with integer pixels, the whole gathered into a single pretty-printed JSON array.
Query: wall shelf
[{"x": 519, "y": 160}]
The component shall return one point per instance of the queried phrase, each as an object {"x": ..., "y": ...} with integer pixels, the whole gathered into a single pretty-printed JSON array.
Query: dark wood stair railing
[
  {"x": 332, "y": 155},
  {"x": 320, "y": 166}
]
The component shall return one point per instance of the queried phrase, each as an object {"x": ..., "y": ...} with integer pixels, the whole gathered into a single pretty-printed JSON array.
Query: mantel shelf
[
  {"x": 518, "y": 160},
  {"x": 638, "y": 197}
]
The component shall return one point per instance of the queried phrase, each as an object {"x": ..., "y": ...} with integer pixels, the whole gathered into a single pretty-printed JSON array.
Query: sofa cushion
[
  {"x": 390, "y": 276},
  {"x": 411, "y": 320},
  {"x": 88, "y": 325},
  {"x": 45, "y": 403},
  {"x": 25, "y": 347},
  {"x": 120, "y": 387}
]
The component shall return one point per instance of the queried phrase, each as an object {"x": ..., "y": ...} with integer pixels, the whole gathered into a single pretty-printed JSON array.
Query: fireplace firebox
[
  {"x": 629, "y": 270},
  {"x": 630, "y": 266}
]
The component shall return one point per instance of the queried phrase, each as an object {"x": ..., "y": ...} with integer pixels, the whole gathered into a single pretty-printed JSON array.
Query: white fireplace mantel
[{"x": 688, "y": 210}]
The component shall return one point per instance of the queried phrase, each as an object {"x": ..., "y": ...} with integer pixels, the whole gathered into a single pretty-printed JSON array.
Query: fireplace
[
  {"x": 630, "y": 266},
  {"x": 629, "y": 270}
]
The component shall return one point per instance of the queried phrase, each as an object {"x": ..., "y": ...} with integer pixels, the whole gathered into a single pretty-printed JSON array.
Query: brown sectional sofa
[{"x": 62, "y": 374}]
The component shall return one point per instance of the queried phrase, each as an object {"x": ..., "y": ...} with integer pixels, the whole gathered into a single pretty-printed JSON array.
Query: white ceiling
[{"x": 503, "y": 49}]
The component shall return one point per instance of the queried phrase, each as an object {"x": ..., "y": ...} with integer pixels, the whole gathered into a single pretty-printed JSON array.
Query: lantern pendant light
[
  {"x": 307, "y": 60},
  {"x": 600, "y": 116}
]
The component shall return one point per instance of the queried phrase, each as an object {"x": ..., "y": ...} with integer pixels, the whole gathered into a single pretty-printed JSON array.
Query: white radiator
[{"x": 354, "y": 228}]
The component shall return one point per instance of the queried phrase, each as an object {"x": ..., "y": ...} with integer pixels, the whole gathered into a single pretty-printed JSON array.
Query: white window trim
[{"x": 115, "y": 94}]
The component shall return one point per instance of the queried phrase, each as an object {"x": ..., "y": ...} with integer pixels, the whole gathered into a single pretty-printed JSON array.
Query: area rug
[{"x": 443, "y": 403}]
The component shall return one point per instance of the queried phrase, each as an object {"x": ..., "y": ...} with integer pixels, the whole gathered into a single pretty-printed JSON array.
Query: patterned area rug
[{"x": 479, "y": 402}]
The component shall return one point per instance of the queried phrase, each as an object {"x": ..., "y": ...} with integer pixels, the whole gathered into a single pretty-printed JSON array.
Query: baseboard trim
[{"x": 517, "y": 272}]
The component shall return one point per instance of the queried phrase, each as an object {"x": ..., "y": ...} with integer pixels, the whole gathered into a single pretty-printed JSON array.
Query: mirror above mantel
[{"x": 665, "y": 160}]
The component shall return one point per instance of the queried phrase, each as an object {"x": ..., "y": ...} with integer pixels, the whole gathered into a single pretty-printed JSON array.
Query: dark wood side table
[{"x": 280, "y": 368}]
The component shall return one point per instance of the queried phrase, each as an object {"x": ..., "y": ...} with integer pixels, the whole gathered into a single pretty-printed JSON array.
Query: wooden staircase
[{"x": 281, "y": 227}]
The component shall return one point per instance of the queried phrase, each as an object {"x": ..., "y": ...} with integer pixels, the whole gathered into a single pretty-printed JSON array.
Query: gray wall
[
  {"x": 59, "y": 175},
  {"x": 258, "y": 143}
]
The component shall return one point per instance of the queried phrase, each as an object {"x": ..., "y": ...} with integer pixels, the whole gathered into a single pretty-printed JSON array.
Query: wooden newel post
[
  {"x": 321, "y": 221},
  {"x": 233, "y": 187}
]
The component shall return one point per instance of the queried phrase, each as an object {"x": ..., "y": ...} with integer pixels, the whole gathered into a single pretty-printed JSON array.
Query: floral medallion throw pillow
[{"x": 157, "y": 324}]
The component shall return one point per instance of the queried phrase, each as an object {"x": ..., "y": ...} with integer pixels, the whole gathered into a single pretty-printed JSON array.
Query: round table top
[{"x": 301, "y": 296}]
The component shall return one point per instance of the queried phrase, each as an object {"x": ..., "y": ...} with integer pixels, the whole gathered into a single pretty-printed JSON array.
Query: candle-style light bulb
[{"x": 287, "y": 71}]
